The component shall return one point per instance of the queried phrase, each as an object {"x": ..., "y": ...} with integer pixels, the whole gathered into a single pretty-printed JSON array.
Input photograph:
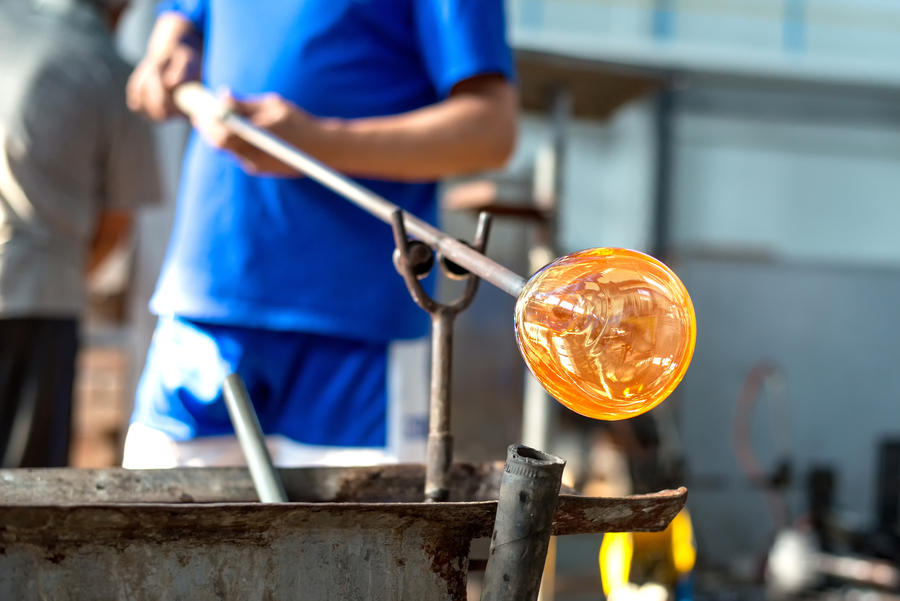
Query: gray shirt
[{"x": 69, "y": 150}]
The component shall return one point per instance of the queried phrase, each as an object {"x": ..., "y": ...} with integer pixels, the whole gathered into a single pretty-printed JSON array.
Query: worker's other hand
[
  {"x": 270, "y": 112},
  {"x": 154, "y": 80}
]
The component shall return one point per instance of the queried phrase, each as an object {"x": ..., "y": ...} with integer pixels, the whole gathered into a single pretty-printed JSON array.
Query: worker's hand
[
  {"x": 270, "y": 112},
  {"x": 153, "y": 81}
]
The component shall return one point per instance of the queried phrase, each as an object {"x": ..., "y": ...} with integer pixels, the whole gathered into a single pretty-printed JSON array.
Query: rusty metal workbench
[{"x": 198, "y": 533}]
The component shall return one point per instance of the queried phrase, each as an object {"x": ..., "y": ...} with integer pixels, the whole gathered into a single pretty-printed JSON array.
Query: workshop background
[{"x": 752, "y": 144}]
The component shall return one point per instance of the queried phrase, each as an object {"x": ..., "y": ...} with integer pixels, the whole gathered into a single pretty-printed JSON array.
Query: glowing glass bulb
[{"x": 609, "y": 332}]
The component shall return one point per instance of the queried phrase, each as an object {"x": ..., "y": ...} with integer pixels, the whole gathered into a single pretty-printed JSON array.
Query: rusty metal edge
[
  {"x": 574, "y": 515},
  {"x": 369, "y": 484}
]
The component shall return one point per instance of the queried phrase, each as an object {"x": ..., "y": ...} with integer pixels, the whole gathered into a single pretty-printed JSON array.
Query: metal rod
[
  {"x": 194, "y": 99},
  {"x": 529, "y": 491},
  {"x": 538, "y": 409},
  {"x": 440, "y": 440},
  {"x": 663, "y": 124},
  {"x": 266, "y": 480}
]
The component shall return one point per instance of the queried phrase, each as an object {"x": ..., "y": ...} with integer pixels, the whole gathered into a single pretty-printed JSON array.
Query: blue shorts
[{"x": 313, "y": 389}]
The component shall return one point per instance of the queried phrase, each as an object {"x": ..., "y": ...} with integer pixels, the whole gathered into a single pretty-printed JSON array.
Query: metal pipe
[
  {"x": 266, "y": 480},
  {"x": 194, "y": 99},
  {"x": 663, "y": 124},
  {"x": 440, "y": 440},
  {"x": 529, "y": 491}
]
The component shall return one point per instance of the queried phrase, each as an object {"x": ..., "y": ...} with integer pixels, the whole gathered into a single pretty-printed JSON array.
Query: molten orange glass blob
[{"x": 609, "y": 332}]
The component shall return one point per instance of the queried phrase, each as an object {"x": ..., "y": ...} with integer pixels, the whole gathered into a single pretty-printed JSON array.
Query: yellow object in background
[
  {"x": 609, "y": 332},
  {"x": 664, "y": 558},
  {"x": 616, "y": 552},
  {"x": 684, "y": 553}
]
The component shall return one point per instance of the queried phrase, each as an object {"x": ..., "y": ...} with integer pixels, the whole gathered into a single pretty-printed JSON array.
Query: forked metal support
[{"x": 413, "y": 260}]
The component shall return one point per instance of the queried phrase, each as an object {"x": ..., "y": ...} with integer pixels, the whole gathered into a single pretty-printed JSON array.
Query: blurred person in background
[
  {"x": 73, "y": 163},
  {"x": 272, "y": 276}
]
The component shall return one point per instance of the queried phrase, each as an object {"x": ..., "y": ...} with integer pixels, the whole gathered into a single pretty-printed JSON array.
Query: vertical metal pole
[
  {"x": 663, "y": 117},
  {"x": 529, "y": 492},
  {"x": 548, "y": 183},
  {"x": 440, "y": 441},
  {"x": 249, "y": 433},
  {"x": 538, "y": 408}
]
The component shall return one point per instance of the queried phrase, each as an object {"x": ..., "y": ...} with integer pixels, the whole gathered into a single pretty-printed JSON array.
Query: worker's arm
[
  {"x": 173, "y": 56},
  {"x": 473, "y": 129},
  {"x": 113, "y": 230}
]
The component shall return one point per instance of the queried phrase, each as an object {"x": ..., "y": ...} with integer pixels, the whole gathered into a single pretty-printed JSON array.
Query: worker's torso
[{"x": 286, "y": 253}]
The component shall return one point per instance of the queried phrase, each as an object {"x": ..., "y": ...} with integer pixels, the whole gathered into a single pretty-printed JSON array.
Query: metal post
[
  {"x": 266, "y": 480},
  {"x": 538, "y": 407},
  {"x": 547, "y": 190},
  {"x": 440, "y": 440},
  {"x": 529, "y": 492},
  {"x": 663, "y": 125}
]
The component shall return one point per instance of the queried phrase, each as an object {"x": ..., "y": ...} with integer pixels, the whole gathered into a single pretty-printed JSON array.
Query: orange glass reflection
[{"x": 609, "y": 332}]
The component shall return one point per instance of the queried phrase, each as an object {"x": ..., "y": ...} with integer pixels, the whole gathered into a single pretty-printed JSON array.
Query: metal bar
[
  {"x": 547, "y": 185},
  {"x": 529, "y": 492},
  {"x": 440, "y": 440},
  {"x": 538, "y": 407},
  {"x": 192, "y": 98},
  {"x": 249, "y": 433},
  {"x": 662, "y": 192}
]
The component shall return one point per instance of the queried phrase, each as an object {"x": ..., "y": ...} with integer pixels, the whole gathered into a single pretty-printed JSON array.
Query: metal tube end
[
  {"x": 529, "y": 492},
  {"x": 522, "y": 460}
]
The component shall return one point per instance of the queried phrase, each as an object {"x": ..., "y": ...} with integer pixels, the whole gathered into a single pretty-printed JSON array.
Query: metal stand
[{"x": 413, "y": 260}]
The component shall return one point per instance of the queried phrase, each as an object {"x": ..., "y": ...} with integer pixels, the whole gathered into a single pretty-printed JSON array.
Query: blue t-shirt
[{"x": 285, "y": 253}]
